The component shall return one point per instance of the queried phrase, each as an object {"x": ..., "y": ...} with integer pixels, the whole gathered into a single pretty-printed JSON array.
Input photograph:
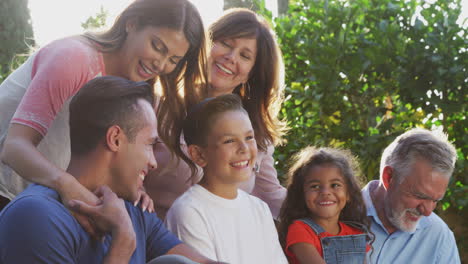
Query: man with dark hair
[
  {"x": 414, "y": 173},
  {"x": 113, "y": 129}
]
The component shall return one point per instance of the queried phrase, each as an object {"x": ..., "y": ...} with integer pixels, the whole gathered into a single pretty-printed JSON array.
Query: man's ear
[
  {"x": 114, "y": 137},
  {"x": 196, "y": 154},
  {"x": 387, "y": 176}
]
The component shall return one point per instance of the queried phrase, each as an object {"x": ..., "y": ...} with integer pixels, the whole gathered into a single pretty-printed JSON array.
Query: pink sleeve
[
  {"x": 267, "y": 186},
  {"x": 59, "y": 70}
]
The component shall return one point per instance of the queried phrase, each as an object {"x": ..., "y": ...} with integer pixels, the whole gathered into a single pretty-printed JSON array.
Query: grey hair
[{"x": 430, "y": 146}]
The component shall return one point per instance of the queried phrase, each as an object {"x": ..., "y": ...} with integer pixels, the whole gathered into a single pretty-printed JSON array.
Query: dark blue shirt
[{"x": 36, "y": 228}]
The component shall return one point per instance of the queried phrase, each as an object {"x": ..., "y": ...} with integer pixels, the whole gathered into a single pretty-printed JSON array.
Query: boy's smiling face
[{"x": 231, "y": 150}]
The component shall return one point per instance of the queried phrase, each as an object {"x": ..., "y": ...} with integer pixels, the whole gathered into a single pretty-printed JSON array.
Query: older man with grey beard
[{"x": 414, "y": 173}]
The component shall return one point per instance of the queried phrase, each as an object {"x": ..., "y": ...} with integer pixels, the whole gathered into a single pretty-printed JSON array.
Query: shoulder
[
  {"x": 64, "y": 56},
  {"x": 38, "y": 203},
  {"x": 40, "y": 221},
  {"x": 255, "y": 203},
  {"x": 433, "y": 233},
  {"x": 299, "y": 232},
  {"x": 191, "y": 197},
  {"x": 74, "y": 46},
  {"x": 36, "y": 200},
  {"x": 433, "y": 224},
  {"x": 300, "y": 226},
  {"x": 349, "y": 229},
  {"x": 189, "y": 204}
]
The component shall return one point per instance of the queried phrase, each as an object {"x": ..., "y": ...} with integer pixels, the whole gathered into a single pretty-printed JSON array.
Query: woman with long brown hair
[
  {"x": 151, "y": 40},
  {"x": 244, "y": 59}
]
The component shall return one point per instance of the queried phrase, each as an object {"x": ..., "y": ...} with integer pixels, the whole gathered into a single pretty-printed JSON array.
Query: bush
[
  {"x": 359, "y": 73},
  {"x": 16, "y": 34}
]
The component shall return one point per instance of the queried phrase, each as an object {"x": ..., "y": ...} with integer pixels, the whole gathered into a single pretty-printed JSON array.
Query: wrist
[
  {"x": 122, "y": 246},
  {"x": 64, "y": 182},
  {"x": 123, "y": 231}
]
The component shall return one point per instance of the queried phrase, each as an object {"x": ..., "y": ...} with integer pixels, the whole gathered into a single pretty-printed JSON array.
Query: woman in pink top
[
  {"x": 151, "y": 40},
  {"x": 244, "y": 59}
]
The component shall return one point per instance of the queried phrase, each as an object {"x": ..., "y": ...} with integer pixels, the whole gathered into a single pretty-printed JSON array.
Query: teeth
[
  {"x": 142, "y": 176},
  {"x": 240, "y": 164},
  {"x": 224, "y": 69},
  {"x": 146, "y": 69},
  {"x": 327, "y": 203}
]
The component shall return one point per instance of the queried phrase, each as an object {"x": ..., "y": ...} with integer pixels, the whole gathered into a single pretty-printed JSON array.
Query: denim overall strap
[
  {"x": 316, "y": 228},
  {"x": 350, "y": 249}
]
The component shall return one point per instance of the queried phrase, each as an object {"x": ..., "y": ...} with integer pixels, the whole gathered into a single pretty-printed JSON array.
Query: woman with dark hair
[
  {"x": 244, "y": 59},
  {"x": 151, "y": 40}
]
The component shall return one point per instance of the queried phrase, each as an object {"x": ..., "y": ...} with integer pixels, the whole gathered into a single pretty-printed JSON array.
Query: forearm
[
  {"x": 191, "y": 253},
  {"x": 21, "y": 154},
  {"x": 122, "y": 247},
  {"x": 24, "y": 158}
]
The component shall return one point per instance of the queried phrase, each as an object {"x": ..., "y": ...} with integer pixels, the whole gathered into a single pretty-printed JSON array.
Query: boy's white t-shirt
[{"x": 234, "y": 231}]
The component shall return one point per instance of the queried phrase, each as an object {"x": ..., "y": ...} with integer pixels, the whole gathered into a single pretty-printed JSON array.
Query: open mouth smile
[
  {"x": 224, "y": 69},
  {"x": 240, "y": 164}
]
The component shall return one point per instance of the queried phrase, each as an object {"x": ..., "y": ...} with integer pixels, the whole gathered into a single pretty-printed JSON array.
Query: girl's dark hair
[
  {"x": 263, "y": 93},
  {"x": 294, "y": 206},
  {"x": 186, "y": 84},
  {"x": 199, "y": 121}
]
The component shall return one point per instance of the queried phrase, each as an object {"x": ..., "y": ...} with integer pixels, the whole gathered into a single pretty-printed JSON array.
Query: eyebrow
[
  {"x": 248, "y": 50},
  {"x": 234, "y": 135},
  {"x": 332, "y": 180},
  {"x": 165, "y": 49},
  {"x": 230, "y": 134},
  {"x": 425, "y": 196}
]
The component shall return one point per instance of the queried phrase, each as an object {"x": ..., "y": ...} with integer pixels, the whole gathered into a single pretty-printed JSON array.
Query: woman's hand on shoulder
[{"x": 144, "y": 200}]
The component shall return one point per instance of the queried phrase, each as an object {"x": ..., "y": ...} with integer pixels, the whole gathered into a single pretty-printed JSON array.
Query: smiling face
[
  {"x": 325, "y": 193},
  {"x": 136, "y": 157},
  {"x": 416, "y": 196},
  {"x": 230, "y": 62},
  {"x": 149, "y": 52},
  {"x": 230, "y": 151}
]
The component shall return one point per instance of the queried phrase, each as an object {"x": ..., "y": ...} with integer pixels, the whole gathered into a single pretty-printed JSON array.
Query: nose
[
  {"x": 230, "y": 56},
  {"x": 324, "y": 190},
  {"x": 159, "y": 65},
  {"x": 243, "y": 146},
  {"x": 426, "y": 207},
  {"x": 152, "y": 163}
]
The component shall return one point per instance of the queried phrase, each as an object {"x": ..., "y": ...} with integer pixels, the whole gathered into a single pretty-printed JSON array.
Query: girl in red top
[{"x": 323, "y": 219}]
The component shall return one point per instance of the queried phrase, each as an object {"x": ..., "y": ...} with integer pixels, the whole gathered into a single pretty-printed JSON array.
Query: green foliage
[
  {"x": 16, "y": 34},
  {"x": 97, "y": 21},
  {"x": 239, "y": 3},
  {"x": 359, "y": 73}
]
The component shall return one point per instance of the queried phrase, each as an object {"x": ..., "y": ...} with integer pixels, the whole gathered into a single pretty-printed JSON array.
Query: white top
[
  {"x": 37, "y": 94},
  {"x": 234, "y": 231}
]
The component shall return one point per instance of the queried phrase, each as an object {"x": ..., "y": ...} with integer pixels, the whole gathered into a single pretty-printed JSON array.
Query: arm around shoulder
[{"x": 21, "y": 154}]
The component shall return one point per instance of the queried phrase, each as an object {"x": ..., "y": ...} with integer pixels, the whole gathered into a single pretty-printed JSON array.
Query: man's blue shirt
[
  {"x": 36, "y": 228},
  {"x": 431, "y": 242}
]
